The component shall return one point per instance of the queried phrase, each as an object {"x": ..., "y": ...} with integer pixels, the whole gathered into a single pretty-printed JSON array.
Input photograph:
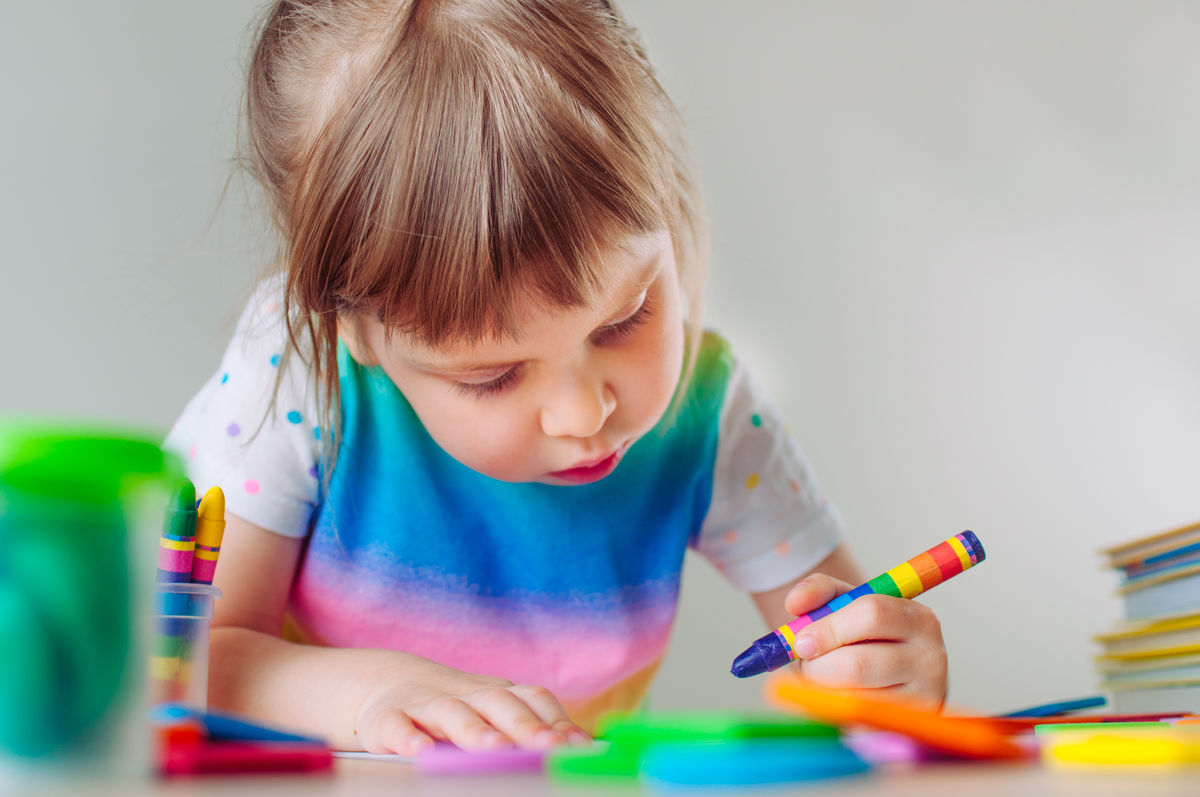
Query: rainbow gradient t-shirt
[{"x": 569, "y": 587}]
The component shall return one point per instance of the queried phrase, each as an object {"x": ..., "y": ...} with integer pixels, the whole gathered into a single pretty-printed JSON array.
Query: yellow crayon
[{"x": 210, "y": 528}]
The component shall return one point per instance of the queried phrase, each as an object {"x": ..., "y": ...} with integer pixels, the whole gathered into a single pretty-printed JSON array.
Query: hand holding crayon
[{"x": 907, "y": 580}]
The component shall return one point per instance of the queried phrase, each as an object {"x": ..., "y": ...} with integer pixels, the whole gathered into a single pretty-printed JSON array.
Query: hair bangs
[{"x": 492, "y": 158}]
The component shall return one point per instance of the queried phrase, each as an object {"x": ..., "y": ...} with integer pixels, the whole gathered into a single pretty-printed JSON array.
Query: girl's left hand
[{"x": 876, "y": 642}]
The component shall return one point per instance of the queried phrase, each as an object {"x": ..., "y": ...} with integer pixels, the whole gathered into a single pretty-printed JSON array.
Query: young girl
[{"x": 469, "y": 430}]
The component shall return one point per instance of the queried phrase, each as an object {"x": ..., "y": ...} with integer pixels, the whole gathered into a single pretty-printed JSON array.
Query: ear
[{"x": 353, "y": 332}]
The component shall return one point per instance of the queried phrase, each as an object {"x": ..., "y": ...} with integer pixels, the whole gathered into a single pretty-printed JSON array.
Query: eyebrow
[{"x": 645, "y": 280}]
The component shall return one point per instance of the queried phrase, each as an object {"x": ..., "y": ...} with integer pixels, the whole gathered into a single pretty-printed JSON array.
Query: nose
[{"x": 577, "y": 406}]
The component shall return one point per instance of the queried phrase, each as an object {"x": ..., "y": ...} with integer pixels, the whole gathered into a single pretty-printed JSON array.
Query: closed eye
[
  {"x": 615, "y": 333},
  {"x": 490, "y": 387}
]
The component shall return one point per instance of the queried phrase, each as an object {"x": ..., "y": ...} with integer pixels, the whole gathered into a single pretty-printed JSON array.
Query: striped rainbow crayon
[
  {"x": 177, "y": 546},
  {"x": 210, "y": 528},
  {"x": 908, "y": 580}
]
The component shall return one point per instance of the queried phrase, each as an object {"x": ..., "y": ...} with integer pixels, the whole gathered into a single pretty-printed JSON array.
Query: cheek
[
  {"x": 670, "y": 339},
  {"x": 480, "y": 435},
  {"x": 654, "y": 367},
  {"x": 673, "y": 357},
  {"x": 487, "y": 436}
]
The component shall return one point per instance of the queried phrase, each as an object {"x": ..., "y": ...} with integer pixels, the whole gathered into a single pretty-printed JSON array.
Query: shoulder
[
  {"x": 708, "y": 378},
  {"x": 769, "y": 520},
  {"x": 262, "y": 324},
  {"x": 715, "y": 359},
  {"x": 252, "y": 429}
]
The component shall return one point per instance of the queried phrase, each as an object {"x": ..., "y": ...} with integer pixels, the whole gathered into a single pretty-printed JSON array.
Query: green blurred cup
[{"x": 79, "y": 509}]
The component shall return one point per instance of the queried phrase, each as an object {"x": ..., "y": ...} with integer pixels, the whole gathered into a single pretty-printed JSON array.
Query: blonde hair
[{"x": 431, "y": 162}]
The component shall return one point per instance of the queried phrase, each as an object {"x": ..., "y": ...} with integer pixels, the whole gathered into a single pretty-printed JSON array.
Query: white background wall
[{"x": 956, "y": 240}]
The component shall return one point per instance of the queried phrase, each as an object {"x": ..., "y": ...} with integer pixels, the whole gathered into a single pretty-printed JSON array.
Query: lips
[{"x": 590, "y": 471}]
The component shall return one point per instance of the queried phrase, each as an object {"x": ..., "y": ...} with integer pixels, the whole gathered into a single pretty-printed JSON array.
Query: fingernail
[
  {"x": 492, "y": 739},
  {"x": 419, "y": 745},
  {"x": 804, "y": 647},
  {"x": 573, "y": 733},
  {"x": 547, "y": 738}
]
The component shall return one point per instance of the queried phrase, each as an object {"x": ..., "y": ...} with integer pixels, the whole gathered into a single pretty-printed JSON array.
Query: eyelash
[
  {"x": 622, "y": 329},
  {"x": 484, "y": 389},
  {"x": 609, "y": 334}
]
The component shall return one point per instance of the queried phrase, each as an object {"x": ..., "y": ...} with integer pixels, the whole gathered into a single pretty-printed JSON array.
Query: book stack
[{"x": 1150, "y": 662}]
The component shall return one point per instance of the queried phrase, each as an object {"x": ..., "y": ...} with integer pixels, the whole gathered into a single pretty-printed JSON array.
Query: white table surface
[{"x": 371, "y": 778}]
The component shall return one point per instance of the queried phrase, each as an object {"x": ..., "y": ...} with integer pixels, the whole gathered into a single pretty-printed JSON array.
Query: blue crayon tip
[{"x": 766, "y": 654}]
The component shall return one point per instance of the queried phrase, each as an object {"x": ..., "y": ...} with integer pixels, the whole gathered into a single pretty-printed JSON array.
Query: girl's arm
[
  {"x": 877, "y": 642},
  {"x": 359, "y": 699}
]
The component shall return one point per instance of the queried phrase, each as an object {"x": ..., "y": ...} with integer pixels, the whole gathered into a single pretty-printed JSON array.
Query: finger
[
  {"x": 452, "y": 719},
  {"x": 926, "y": 693},
  {"x": 394, "y": 732},
  {"x": 929, "y": 694},
  {"x": 813, "y": 592},
  {"x": 885, "y": 669},
  {"x": 513, "y": 717},
  {"x": 871, "y": 617},
  {"x": 543, "y": 703},
  {"x": 868, "y": 665}
]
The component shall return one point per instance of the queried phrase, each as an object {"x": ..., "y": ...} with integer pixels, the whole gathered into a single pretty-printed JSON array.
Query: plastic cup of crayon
[{"x": 179, "y": 653}]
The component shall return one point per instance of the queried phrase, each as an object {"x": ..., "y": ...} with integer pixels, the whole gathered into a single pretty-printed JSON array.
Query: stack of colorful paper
[{"x": 1151, "y": 660}]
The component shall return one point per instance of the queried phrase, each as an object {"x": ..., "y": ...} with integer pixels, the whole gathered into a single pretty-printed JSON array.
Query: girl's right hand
[
  {"x": 421, "y": 701},
  {"x": 398, "y": 702}
]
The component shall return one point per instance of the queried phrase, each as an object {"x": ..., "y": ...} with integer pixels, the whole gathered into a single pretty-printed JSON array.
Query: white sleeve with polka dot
[
  {"x": 262, "y": 455},
  {"x": 768, "y": 522}
]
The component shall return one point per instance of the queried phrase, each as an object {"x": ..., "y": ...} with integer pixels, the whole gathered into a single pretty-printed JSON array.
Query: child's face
[{"x": 562, "y": 401}]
